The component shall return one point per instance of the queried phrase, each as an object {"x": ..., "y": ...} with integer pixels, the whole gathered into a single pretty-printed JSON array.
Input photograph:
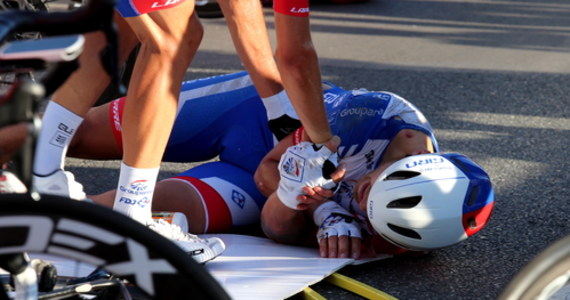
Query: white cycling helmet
[{"x": 430, "y": 201}]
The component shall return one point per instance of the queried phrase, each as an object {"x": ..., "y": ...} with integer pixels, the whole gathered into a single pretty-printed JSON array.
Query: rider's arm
[
  {"x": 298, "y": 227},
  {"x": 287, "y": 226},
  {"x": 299, "y": 68},
  {"x": 267, "y": 174},
  {"x": 279, "y": 222}
]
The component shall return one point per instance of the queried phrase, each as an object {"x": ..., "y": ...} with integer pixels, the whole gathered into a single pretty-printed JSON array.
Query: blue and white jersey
[
  {"x": 366, "y": 122},
  {"x": 224, "y": 116}
]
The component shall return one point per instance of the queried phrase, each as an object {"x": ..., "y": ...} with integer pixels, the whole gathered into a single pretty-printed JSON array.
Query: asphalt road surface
[{"x": 493, "y": 79}]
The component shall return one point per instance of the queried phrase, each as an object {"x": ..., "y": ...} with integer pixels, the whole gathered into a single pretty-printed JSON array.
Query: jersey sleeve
[{"x": 296, "y": 8}]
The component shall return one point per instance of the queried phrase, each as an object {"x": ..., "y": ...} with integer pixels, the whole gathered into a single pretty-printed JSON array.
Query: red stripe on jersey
[
  {"x": 116, "y": 117},
  {"x": 219, "y": 215},
  {"x": 297, "y": 8},
  {"x": 298, "y": 135}
]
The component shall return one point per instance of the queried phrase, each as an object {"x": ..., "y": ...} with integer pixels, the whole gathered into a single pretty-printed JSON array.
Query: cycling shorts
[
  {"x": 229, "y": 195},
  {"x": 217, "y": 117},
  {"x": 134, "y": 8}
]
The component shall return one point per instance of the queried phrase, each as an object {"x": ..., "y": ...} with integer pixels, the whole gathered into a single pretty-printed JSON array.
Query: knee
[
  {"x": 174, "y": 46},
  {"x": 192, "y": 37},
  {"x": 164, "y": 50}
]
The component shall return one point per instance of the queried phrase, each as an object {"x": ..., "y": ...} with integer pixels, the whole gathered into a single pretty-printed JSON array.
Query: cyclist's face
[{"x": 406, "y": 143}]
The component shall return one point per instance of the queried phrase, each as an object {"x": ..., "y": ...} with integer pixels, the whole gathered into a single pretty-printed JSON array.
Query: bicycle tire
[
  {"x": 543, "y": 276},
  {"x": 99, "y": 236}
]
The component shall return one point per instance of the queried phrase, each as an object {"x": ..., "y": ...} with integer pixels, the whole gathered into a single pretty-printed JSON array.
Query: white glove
[
  {"x": 304, "y": 164},
  {"x": 334, "y": 220}
]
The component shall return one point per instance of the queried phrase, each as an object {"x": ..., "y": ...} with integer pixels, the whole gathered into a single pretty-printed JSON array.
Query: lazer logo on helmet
[{"x": 424, "y": 162}]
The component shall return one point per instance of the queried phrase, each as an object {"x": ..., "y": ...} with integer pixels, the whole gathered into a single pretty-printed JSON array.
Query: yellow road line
[
  {"x": 358, "y": 287},
  {"x": 310, "y": 294}
]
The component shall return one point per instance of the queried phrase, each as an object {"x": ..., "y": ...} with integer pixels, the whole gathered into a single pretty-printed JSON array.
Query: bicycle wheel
[
  {"x": 545, "y": 275},
  {"x": 101, "y": 237}
]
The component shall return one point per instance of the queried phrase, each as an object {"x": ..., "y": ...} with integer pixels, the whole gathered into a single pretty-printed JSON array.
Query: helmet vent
[
  {"x": 407, "y": 202},
  {"x": 405, "y": 231},
  {"x": 473, "y": 196},
  {"x": 401, "y": 175},
  {"x": 472, "y": 223}
]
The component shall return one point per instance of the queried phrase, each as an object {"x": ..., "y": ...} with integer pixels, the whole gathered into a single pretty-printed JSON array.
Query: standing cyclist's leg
[
  {"x": 65, "y": 113},
  {"x": 168, "y": 40},
  {"x": 151, "y": 102},
  {"x": 170, "y": 195},
  {"x": 214, "y": 196}
]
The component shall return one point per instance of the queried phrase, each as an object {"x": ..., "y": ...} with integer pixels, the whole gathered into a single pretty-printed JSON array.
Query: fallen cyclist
[{"x": 380, "y": 135}]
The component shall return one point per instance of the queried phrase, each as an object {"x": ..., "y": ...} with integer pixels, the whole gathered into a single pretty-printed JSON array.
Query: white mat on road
[
  {"x": 251, "y": 267},
  {"x": 258, "y": 268}
]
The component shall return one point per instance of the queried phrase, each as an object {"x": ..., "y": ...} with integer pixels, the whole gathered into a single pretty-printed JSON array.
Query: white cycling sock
[
  {"x": 134, "y": 192},
  {"x": 278, "y": 105},
  {"x": 59, "y": 125}
]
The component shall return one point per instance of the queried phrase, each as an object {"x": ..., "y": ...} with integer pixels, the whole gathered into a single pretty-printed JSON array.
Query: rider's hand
[
  {"x": 339, "y": 234},
  {"x": 340, "y": 247},
  {"x": 319, "y": 194},
  {"x": 307, "y": 165}
]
